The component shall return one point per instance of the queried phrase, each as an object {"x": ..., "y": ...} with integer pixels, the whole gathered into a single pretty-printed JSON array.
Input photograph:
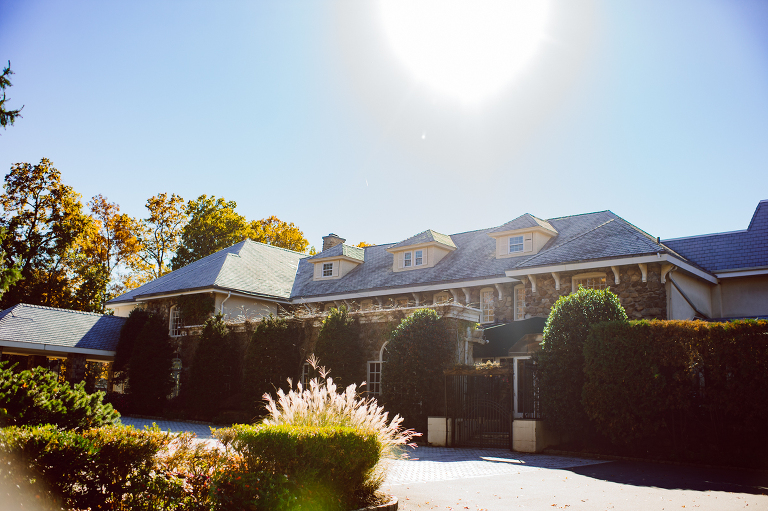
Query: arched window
[
  {"x": 486, "y": 305},
  {"x": 374, "y": 373}
]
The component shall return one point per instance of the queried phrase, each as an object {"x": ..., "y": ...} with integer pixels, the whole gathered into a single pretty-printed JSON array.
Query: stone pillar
[
  {"x": 75, "y": 368},
  {"x": 37, "y": 361}
]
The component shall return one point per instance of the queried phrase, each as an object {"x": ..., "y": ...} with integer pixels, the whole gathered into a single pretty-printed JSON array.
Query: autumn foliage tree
[
  {"x": 158, "y": 238},
  {"x": 43, "y": 220},
  {"x": 279, "y": 233},
  {"x": 213, "y": 225}
]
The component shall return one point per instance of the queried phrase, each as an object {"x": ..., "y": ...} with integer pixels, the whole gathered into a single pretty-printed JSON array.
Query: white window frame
[
  {"x": 514, "y": 243},
  {"x": 175, "y": 324},
  {"x": 518, "y": 311},
  {"x": 374, "y": 384},
  {"x": 581, "y": 279},
  {"x": 305, "y": 374},
  {"x": 327, "y": 270},
  {"x": 418, "y": 258},
  {"x": 487, "y": 313},
  {"x": 407, "y": 259}
]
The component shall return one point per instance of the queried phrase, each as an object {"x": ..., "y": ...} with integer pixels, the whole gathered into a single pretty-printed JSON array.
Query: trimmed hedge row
[
  {"x": 687, "y": 384},
  {"x": 328, "y": 466},
  {"x": 119, "y": 468}
]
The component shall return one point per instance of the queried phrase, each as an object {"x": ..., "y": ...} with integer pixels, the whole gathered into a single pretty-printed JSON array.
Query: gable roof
[
  {"x": 341, "y": 250},
  {"x": 248, "y": 267},
  {"x": 63, "y": 328},
  {"x": 428, "y": 236},
  {"x": 525, "y": 221},
  {"x": 729, "y": 250},
  {"x": 590, "y": 236}
]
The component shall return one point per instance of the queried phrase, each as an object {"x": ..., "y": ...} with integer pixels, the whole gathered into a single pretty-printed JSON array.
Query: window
[
  {"x": 515, "y": 244},
  {"x": 407, "y": 259},
  {"x": 589, "y": 281},
  {"x": 176, "y": 323},
  {"x": 327, "y": 269},
  {"x": 519, "y": 303},
  {"x": 486, "y": 306},
  {"x": 374, "y": 378},
  {"x": 419, "y": 258},
  {"x": 306, "y": 374},
  {"x": 442, "y": 297}
]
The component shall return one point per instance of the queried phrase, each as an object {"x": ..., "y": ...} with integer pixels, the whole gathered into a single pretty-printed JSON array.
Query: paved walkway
[{"x": 202, "y": 431}]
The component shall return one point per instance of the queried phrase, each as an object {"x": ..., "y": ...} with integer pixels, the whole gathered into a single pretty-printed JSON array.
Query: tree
[
  {"x": 338, "y": 348},
  {"x": 418, "y": 351},
  {"x": 272, "y": 355},
  {"x": 112, "y": 241},
  {"x": 213, "y": 225},
  {"x": 7, "y": 116},
  {"x": 158, "y": 237},
  {"x": 8, "y": 275},
  {"x": 561, "y": 359},
  {"x": 274, "y": 231},
  {"x": 214, "y": 368},
  {"x": 364, "y": 244},
  {"x": 44, "y": 220},
  {"x": 149, "y": 370}
]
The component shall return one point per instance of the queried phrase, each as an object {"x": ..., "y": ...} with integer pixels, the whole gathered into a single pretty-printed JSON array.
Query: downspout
[
  {"x": 221, "y": 307},
  {"x": 685, "y": 297}
]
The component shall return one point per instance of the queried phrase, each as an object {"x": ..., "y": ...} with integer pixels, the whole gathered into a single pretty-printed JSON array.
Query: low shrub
[
  {"x": 328, "y": 466},
  {"x": 36, "y": 397},
  {"x": 689, "y": 385},
  {"x": 94, "y": 469}
]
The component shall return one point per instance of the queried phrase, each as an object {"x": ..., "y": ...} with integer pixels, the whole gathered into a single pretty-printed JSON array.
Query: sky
[{"x": 325, "y": 114}]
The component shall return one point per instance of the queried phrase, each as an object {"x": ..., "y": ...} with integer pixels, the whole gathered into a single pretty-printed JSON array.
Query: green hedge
[
  {"x": 96, "y": 469},
  {"x": 36, "y": 397},
  {"x": 327, "y": 465},
  {"x": 690, "y": 385}
]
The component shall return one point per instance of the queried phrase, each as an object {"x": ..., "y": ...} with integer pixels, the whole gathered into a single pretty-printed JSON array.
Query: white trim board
[
  {"x": 53, "y": 348},
  {"x": 403, "y": 290}
]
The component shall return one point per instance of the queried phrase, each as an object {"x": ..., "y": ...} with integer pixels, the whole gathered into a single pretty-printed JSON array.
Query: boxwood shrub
[{"x": 327, "y": 466}]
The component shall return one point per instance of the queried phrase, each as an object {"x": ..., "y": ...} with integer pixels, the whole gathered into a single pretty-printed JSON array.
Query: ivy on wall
[
  {"x": 339, "y": 349},
  {"x": 195, "y": 309}
]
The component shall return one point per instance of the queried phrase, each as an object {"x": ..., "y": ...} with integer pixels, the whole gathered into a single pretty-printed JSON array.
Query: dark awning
[{"x": 503, "y": 337}]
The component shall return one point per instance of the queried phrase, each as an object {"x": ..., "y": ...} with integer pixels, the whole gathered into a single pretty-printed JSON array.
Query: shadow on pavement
[{"x": 678, "y": 477}]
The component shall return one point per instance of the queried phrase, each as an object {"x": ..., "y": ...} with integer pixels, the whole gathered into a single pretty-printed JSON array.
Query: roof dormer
[
  {"x": 337, "y": 261},
  {"x": 525, "y": 235},
  {"x": 423, "y": 250}
]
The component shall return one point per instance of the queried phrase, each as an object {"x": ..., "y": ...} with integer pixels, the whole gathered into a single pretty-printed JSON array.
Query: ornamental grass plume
[{"x": 319, "y": 404}]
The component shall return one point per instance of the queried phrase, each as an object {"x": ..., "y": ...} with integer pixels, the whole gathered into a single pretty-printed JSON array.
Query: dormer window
[
  {"x": 424, "y": 250},
  {"x": 327, "y": 269},
  {"x": 515, "y": 244},
  {"x": 418, "y": 257},
  {"x": 407, "y": 259}
]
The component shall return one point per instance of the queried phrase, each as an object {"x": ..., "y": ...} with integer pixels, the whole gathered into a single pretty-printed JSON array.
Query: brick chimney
[{"x": 331, "y": 241}]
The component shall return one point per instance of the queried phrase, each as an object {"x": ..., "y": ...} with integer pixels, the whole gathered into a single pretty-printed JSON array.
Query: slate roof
[
  {"x": 341, "y": 250},
  {"x": 525, "y": 221},
  {"x": 729, "y": 250},
  {"x": 591, "y": 236},
  {"x": 247, "y": 267},
  {"x": 428, "y": 236},
  {"x": 36, "y": 324}
]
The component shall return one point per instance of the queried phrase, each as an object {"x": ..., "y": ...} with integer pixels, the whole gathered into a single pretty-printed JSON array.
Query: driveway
[{"x": 497, "y": 479}]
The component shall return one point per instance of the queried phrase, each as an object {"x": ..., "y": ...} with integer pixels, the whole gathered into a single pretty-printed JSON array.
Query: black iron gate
[{"x": 481, "y": 407}]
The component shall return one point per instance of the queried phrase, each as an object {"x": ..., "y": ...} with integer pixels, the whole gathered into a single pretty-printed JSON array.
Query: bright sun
[{"x": 466, "y": 49}]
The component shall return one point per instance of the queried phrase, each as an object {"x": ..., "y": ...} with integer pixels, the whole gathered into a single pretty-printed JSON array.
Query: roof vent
[{"x": 331, "y": 241}]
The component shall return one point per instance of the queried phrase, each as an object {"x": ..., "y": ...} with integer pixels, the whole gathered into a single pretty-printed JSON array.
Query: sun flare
[{"x": 469, "y": 50}]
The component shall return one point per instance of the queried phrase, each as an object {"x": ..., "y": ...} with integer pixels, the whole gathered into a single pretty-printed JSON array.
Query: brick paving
[{"x": 428, "y": 464}]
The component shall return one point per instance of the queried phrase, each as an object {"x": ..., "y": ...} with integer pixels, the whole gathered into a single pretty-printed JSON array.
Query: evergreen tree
[
  {"x": 149, "y": 370},
  {"x": 273, "y": 355},
  {"x": 338, "y": 348},
  {"x": 214, "y": 368}
]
